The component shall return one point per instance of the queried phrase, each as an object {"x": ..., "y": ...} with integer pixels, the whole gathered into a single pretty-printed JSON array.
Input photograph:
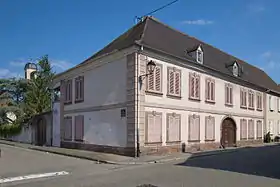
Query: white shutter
[{"x": 278, "y": 104}]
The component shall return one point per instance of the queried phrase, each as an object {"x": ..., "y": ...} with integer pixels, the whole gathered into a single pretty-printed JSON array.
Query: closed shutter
[
  {"x": 212, "y": 93},
  {"x": 153, "y": 128},
  {"x": 194, "y": 129},
  {"x": 243, "y": 129},
  {"x": 79, "y": 128},
  {"x": 68, "y": 128},
  {"x": 251, "y": 129},
  {"x": 173, "y": 128},
  {"x": 70, "y": 90},
  {"x": 210, "y": 128},
  {"x": 226, "y": 94},
  {"x": 259, "y": 129},
  {"x": 158, "y": 78},
  {"x": 151, "y": 81},
  {"x": 177, "y": 83},
  {"x": 207, "y": 89},
  {"x": 191, "y": 85},
  {"x": 171, "y": 81},
  {"x": 197, "y": 87}
]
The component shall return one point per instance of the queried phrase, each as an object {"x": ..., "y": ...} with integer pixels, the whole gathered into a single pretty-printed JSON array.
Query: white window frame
[{"x": 235, "y": 69}]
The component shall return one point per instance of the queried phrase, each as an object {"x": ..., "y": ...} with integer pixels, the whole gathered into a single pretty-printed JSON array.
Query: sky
[{"x": 69, "y": 31}]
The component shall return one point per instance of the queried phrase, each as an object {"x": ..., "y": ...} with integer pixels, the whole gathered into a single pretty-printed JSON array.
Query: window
[
  {"x": 209, "y": 128},
  {"x": 259, "y": 101},
  {"x": 271, "y": 104},
  {"x": 210, "y": 90},
  {"x": 251, "y": 99},
  {"x": 235, "y": 70},
  {"x": 194, "y": 86},
  {"x": 270, "y": 126},
  {"x": 259, "y": 129},
  {"x": 194, "y": 128},
  {"x": 199, "y": 56},
  {"x": 173, "y": 127},
  {"x": 79, "y": 128},
  {"x": 153, "y": 130},
  {"x": 123, "y": 112},
  {"x": 67, "y": 128},
  {"x": 243, "y": 129},
  {"x": 243, "y": 98},
  {"x": 154, "y": 80},
  {"x": 278, "y": 125},
  {"x": 79, "y": 89},
  {"x": 251, "y": 129},
  {"x": 174, "y": 82},
  {"x": 278, "y": 102},
  {"x": 228, "y": 94},
  {"x": 68, "y": 92}
]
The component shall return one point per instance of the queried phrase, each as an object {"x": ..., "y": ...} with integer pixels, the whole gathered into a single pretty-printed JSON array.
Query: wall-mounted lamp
[{"x": 151, "y": 65}]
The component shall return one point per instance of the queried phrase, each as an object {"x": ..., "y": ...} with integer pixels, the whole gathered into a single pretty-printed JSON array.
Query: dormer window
[
  {"x": 199, "y": 56},
  {"x": 235, "y": 69}
]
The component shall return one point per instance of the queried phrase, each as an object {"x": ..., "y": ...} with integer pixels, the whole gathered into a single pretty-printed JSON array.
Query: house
[
  {"x": 196, "y": 97},
  {"x": 272, "y": 115}
]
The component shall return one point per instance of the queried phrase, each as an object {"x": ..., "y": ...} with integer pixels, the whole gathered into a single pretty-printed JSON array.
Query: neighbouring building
[{"x": 197, "y": 97}]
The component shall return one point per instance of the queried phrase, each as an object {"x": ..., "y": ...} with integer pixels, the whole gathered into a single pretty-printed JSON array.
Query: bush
[
  {"x": 9, "y": 130},
  {"x": 267, "y": 138},
  {"x": 276, "y": 139}
]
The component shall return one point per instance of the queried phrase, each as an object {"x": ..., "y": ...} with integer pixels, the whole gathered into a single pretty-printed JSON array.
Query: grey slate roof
[{"x": 152, "y": 33}]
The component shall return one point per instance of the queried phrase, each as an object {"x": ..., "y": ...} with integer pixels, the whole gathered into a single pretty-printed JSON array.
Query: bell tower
[{"x": 29, "y": 69}]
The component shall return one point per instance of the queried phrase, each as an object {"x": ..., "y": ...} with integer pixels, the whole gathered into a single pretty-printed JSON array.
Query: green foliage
[
  {"x": 9, "y": 129},
  {"x": 38, "y": 96}
]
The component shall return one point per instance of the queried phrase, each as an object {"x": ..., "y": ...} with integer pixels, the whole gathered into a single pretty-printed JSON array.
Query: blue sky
[{"x": 69, "y": 31}]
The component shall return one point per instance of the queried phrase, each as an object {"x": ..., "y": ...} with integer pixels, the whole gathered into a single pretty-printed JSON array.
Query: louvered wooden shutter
[
  {"x": 213, "y": 90},
  {"x": 177, "y": 83},
  {"x": 151, "y": 81},
  {"x": 173, "y": 128},
  {"x": 251, "y": 129},
  {"x": 207, "y": 89},
  {"x": 191, "y": 85},
  {"x": 70, "y": 90},
  {"x": 154, "y": 129},
  {"x": 197, "y": 87},
  {"x": 82, "y": 88},
  {"x": 171, "y": 81},
  {"x": 158, "y": 79},
  {"x": 209, "y": 128},
  {"x": 79, "y": 128}
]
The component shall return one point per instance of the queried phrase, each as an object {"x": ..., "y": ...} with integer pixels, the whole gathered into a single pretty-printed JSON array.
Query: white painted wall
[
  {"x": 183, "y": 106},
  {"x": 184, "y": 123},
  {"x": 272, "y": 117},
  {"x": 104, "y": 85},
  {"x": 105, "y": 127},
  {"x": 185, "y": 102}
]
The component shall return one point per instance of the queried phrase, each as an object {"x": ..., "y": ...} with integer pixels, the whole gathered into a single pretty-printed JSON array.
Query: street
[{"x": 245, "y": 167}]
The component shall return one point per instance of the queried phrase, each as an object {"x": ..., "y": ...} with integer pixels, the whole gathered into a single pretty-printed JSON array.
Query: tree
[
  {"x": 11, "y": 97},
  {"x": 38, "y": 97}
]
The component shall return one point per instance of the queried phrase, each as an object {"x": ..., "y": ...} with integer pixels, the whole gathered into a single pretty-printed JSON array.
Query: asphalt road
[{"x": 256, "y": 167}]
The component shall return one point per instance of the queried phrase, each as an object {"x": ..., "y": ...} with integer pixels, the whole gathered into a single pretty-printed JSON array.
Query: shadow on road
[{"x": 260, "y": 161}]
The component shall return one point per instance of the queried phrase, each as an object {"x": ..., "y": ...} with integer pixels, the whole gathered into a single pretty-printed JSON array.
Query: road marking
[{"x": 33, "y": 176}]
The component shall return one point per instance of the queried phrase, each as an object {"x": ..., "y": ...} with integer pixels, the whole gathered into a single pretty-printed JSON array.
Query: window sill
[
  {"x": 67, "y": 140},
  {"x": 68, "y": 103},
  {"x": 79, "y": 141},
  {"x": 251, "y": 138},
  {"x": 194, "y": 141},
  {"x": 259, "y": 138},
  {"x": 173, "y": 96},
  {"x": 258, "y": 109},
  {"x": 173, "y": 142},
  {"x": 243, "y": 139},
  {"x": 212, "y": 140},
  {"x": 154, "y": 93},
  {"x": 250, "y": 108},
  {"x": 194, "y": 99},
  {"x": 229, "y": 105},
  {"x": 244, "y": 107},
  {"x": 79, "y": 100},
  {"x": 152, "y": 143},
  {"x": 210, "y": 102}
]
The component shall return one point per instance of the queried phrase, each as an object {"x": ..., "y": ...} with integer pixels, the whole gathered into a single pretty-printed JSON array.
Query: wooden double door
[{"x": 228, "y": 138}]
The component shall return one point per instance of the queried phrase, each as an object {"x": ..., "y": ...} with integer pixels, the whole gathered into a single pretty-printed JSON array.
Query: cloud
[
  {"x": 6, "y": 73},
  {"x": 198, "y": 22},
  {"x": 266, "y": 54},
  {"x": 17, "y": 63},
  {"x": 61, "y": 64},
  {"x": 256, "y": 8}
]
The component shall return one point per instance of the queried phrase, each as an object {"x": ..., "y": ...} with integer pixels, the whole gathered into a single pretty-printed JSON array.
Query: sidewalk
[{"x": 118, "y": 159}]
